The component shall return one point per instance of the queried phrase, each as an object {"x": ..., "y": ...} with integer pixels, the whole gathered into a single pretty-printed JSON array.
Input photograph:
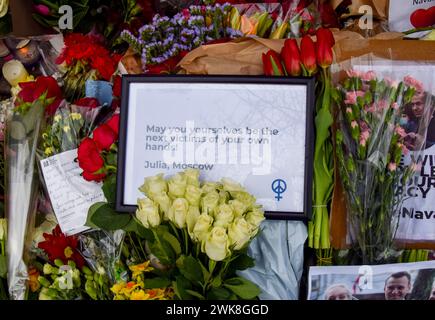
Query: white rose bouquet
[{"x": 201, "y": 233}]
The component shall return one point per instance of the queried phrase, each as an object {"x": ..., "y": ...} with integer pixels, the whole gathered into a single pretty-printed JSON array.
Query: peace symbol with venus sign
[{"x": 279, "y": 187}]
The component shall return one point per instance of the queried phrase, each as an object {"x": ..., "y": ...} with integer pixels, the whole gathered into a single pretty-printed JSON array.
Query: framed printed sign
[{"x": 254, "y": 130}]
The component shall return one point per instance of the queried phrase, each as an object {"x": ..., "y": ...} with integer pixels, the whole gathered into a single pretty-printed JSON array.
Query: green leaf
[
  {"x": 3, "y": 267},
  {"x": 242, "y": 287},
  {"x": 91, "y": 212},
  {"x": 162, "y": 250},
  {"x": 219, "y": 294},
  {"x": 173, "y": 241},
  {"x": 109, "y": 189},
  {"x": 157, "y": 283},
  {"x": 242, "y": 262},
  {"x": 181, "y": 285},
  {"x": 191, "y": 269},
  {"x": 195, "y": 294},
  {"x": 205, "y": 272},
  {"x": 135, "y": 226},
  {"x": 108, "y": 219}
]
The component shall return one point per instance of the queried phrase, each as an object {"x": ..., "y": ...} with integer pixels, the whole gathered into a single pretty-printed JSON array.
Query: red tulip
[
  {"x": 324, "y": 54},
  {"x": 308, "y": 54},
  {"x": 272, "y": 65},
  {"x": 325, "y": 35},
  {"x": 292, "y": 58}
]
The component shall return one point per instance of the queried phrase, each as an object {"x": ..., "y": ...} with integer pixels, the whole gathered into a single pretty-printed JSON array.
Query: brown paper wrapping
[
  {"x": 240, "y": 57},
  {"x": 408, "y": 50}
]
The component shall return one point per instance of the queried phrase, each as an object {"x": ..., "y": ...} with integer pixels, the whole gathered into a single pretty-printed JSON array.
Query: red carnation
[
  {"x": 104, "y": 137},
  {"x": 59, "y": 246},
  {"x": 90, "y": 160}
]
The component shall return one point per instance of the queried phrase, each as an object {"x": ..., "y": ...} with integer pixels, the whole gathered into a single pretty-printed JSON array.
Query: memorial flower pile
[
  {"x": 370, "y": 142},
  {"x": 196, "y": 234}
]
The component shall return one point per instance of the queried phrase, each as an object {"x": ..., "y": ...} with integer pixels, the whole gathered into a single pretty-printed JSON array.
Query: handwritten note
[{"x": 70, "y": 195}]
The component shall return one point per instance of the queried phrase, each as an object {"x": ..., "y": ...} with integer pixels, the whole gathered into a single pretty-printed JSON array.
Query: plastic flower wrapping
[{"x": 371, "y": 140}]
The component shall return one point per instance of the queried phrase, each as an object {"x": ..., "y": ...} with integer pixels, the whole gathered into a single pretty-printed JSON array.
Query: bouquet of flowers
[
  {"x": 195, "y": 235},
  {"x": 169, "y": 38},
  {"x": 61, "y": 272},
  {"x": 370, "y": 142},
  {"x": 313, "y": 59},
  {"x": 84, "y": 58},
  {"x": 25, "y": 124},
  {"x": 97, "y": 156}
]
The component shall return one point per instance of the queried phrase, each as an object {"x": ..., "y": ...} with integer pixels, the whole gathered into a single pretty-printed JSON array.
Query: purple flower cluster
[{"x": 165, "y": 37}]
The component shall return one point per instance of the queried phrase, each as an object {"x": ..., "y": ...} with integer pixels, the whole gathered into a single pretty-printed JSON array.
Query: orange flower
[{"x": 33, "y": 279}]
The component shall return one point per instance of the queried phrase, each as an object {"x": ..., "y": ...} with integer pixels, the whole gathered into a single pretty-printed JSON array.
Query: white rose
[
  {"x": 192, "y": 176},
  {"x": 191, "y": 219},
  {"x": 177, "y": 185},
  {"x": 239, "y": 233},
  {"x": 238, "y": 207},
  {"x": 216, "y": 244},
  {"x": 193, "y": 194},
  {"x": 178, "y": 212},
  {"x": 153, "y": 186},
  {"x": 202, "y": 227},
  {"x": 223, "y": 197},
  {"x": 231, "y": 185},
  {"x": 148, "y": 213},
  {"x": 4, "y": 6},
  {"x": 164, "y": 203},
  {"x": 210, "y": 187},
  {"x": 209, "y": 202},
  {"x": 223, "y": 216},
  {"x": 254, "y": 218},
  {"x": 244, "y": 197}
]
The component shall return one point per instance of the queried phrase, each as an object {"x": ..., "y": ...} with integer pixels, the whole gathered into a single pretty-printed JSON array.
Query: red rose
[
  {"x": 117, "y": 83},
  {"x": 88, "y": 103},
  {"x": 90, "y": 160},
  {"x": 104, "y": 137},
  {"x": 113, "y": 123}
]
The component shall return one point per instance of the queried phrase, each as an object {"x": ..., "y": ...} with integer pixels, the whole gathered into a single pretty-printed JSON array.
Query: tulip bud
[
  {"x": 324, "y": 35},
  {"x": 308, "y": 55},
  {"x": 272, "y": 64},
  {"x": 292, "y": 58},
  {"x": 324, "y": 54}
]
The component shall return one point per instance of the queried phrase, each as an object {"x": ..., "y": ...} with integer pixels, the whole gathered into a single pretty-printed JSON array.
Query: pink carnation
[
  {"x": 392, "y": 166},
  {"x": 365, "y": 135},
  {"x": 395, "y": 106},
  {"x": 348, "y": 110},
  {"x": 354, "y": 124},
  {"x": 383, "y": 104}
]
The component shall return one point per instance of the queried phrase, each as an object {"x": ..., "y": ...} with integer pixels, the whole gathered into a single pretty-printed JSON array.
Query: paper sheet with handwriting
[{"x": 70, "y": 195}]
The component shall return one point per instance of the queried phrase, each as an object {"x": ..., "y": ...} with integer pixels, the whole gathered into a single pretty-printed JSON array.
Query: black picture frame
[{"x": 127, "y": 80}]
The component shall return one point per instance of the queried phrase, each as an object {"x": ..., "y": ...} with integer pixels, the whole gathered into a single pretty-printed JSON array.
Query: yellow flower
[
  {"x": 57, "y": 118},
  {"x": 117, "y": 287},
  {"x": 66, "y": 129},
  {"x": 48, "y": 151},
  {"x": 75, "y": 116},
  {"x": 140, "y": 268},
  {"x": 139, "y": 295}
]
